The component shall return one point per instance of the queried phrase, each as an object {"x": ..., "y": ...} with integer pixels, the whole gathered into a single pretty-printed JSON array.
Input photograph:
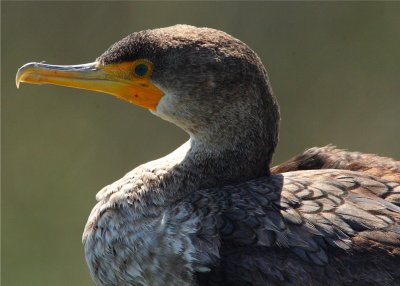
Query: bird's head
[{"x": 197, "y": 78}]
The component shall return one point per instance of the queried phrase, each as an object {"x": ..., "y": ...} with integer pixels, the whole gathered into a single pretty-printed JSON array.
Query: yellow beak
[{"x": 116, "y": 79}]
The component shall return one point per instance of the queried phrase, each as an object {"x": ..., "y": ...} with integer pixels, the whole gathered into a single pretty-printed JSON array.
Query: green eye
[{"x": 141, "y": 69}]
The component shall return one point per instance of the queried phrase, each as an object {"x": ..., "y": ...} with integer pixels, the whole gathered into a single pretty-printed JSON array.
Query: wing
[
  {"x": 330, "y": 227},
  {"x": 329, "y": 157}
]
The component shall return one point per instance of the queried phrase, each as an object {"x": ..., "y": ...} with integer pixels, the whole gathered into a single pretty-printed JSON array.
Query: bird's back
[
  {"x": 315, "y": 227},
  {"x": 330, "y": 157}
]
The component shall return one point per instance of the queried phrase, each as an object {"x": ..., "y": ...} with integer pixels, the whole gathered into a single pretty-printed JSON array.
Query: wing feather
[{"x": 315, "y": 218}]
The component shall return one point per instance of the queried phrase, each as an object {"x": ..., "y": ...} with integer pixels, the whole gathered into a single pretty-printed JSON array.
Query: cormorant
[{"x": 212, "y": 212}]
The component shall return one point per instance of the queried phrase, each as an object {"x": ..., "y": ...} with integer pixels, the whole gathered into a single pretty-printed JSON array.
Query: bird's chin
[
  {"x": 170, "y": 109},
  {"x": 167, "y": 108}
]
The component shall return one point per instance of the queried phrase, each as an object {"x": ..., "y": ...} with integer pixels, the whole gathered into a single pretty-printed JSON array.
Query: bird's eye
[{"x": 141, "y": 69}]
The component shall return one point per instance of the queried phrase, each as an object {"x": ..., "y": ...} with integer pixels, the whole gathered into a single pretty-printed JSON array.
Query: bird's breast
[{"x": 127, "y": 244}]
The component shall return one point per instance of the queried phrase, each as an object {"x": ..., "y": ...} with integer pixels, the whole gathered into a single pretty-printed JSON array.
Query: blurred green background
[{"x": 335, "y": 68}]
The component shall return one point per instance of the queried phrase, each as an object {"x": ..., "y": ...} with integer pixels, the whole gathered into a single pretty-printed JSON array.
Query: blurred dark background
[{"x": 334, "y": 67}]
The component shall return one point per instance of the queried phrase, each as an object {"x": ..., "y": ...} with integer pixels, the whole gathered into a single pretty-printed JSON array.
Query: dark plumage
[
  {"x": 329, "y": 157},
  {"x": 212, "y": 212}
]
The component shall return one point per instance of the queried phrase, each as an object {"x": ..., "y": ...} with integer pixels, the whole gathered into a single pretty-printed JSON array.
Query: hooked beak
[{"x": 116, "y": 79}]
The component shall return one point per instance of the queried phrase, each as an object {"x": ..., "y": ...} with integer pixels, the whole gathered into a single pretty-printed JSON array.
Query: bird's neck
[
  {"x": 238, "y": 151},
  {"x": 226, "y": 162},
  {"x": 200, "y": 164}
]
